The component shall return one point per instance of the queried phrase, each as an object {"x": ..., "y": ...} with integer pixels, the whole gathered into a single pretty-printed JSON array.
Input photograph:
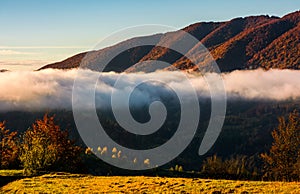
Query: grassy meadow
[{"x": 78, "y": 183}]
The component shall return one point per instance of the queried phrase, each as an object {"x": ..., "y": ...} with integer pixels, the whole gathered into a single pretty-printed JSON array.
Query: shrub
[
  {"x": 213, "y": 165},
  {"x": 177, "y": 168},
  {"x": 47, "y": 148},
  {"x": 234, "y": 167}
]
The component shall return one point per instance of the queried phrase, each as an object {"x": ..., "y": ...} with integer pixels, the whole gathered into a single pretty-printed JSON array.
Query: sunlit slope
[{"x": 75, "y": 183}]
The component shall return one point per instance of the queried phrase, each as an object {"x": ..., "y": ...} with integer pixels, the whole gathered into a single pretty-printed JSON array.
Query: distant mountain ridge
[{"x": 241, "y": 43}]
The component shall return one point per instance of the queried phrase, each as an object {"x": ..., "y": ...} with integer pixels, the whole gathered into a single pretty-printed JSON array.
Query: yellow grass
[
  {"x": 11, "y": 172},
  {"x": 75, "y": 183}
]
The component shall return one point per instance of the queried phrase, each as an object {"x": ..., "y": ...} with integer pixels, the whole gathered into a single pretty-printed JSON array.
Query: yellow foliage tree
[{"x": 283, "y": 160}]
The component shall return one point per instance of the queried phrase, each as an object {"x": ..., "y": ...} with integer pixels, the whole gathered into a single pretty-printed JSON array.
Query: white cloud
[
  {"x": 23, "y": 62},
  {"x": 13, "y": 52},
  {"x": 53, "y": 88},
  {"x": 43, "y": 47},
  {"x": 23, "y": 65}
]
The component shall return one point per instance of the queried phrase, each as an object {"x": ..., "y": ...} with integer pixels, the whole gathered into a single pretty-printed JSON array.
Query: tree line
[{"x": 46, "y": 147}]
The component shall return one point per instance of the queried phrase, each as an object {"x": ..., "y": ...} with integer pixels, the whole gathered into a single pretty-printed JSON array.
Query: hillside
[
  {"x": 94, "y": 59},
  {"x": 282, "y": 53},
  {"x": 76, "y": 183},
  {"x": 241, "y": 43}
]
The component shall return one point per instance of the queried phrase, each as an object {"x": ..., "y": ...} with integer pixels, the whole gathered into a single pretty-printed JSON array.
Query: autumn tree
[
  {"x": 46, "y": 147},
  {"x": 9, "y": 148},
  {"x": 283, "y": 160}
]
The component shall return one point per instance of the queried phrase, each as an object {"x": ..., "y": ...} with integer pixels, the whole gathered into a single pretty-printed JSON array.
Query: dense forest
[{"x": 246, "y": 134}]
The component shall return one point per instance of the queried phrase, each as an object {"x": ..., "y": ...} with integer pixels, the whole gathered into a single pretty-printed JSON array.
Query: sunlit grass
[
  {"x": 75, "y": 183},
  {"x": 11, "y": 172}
]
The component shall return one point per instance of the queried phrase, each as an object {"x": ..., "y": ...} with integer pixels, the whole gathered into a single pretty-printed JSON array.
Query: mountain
[
  {"x": 241, "y": 43},
  {"x": 3, "y": 70},
  {"x": 93, "y": 59}
]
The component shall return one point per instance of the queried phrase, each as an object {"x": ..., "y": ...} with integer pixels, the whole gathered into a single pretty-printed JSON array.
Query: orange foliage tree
[
  {"x": 46, "y": 147},
  {"x": 9, "y": 148}
]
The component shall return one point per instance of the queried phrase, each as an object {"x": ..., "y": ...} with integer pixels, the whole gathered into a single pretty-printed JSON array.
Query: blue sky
[{"x": 35, "y": 32}]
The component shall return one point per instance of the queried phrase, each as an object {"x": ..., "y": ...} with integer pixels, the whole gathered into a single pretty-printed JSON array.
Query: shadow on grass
[{"x": 7, "y": 179}]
